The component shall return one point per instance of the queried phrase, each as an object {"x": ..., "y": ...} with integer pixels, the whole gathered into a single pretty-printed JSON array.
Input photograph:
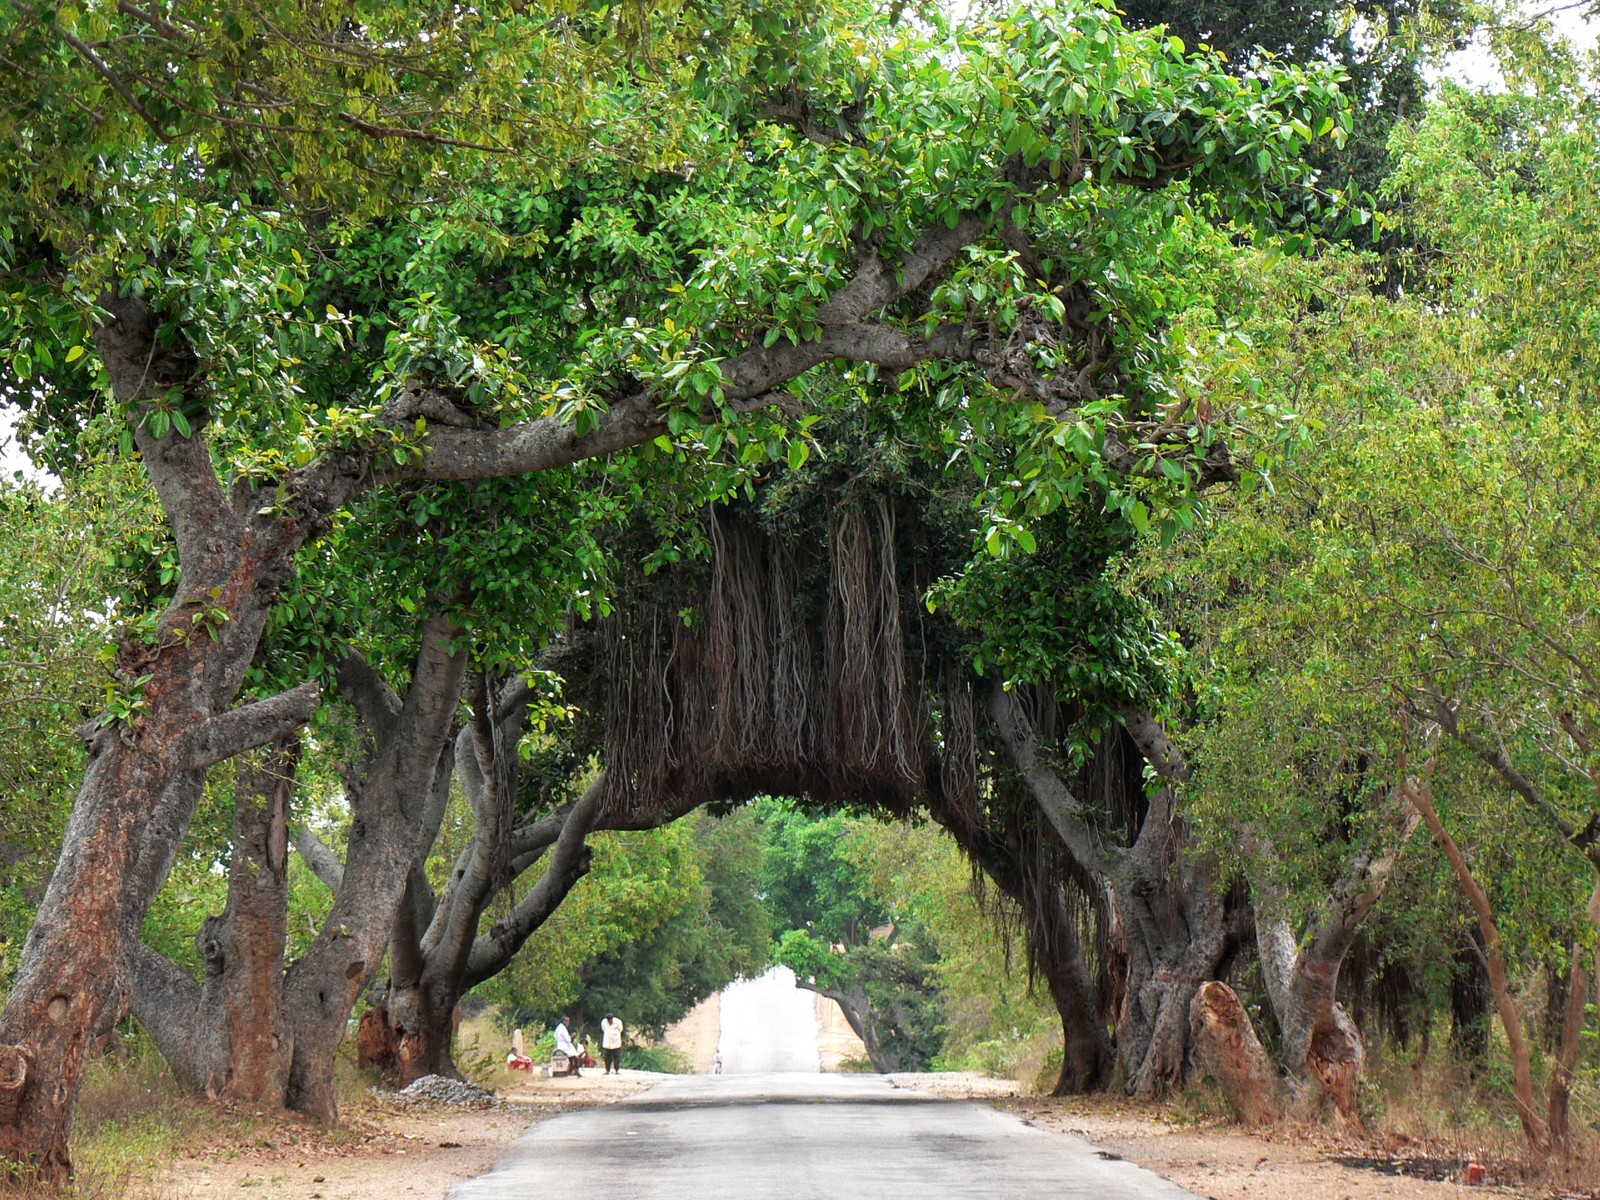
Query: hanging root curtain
[{"x": 754, "y": 682}]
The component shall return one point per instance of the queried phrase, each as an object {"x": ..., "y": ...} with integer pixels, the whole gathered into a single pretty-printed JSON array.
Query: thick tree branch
[
  {"x": 374, "y": 700},
  {"x": 324, "y": 863},
  {"x": 162, "y": 995},
  {"x": 1060, "y": 807},
  {"x": 142, "y": 371},
  {"x": 529, "y": 842},
  {"x": 246, "y": 727},
  {"x": 569, "y": 862},
  {"x": 488, "y": 746},
  {"x": 419, "y": 907},
  {"x": 1366, "y": 878},
  {"x": 1159, "y": 750}
]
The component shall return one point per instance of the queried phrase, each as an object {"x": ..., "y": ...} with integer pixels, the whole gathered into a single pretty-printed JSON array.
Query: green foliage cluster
[
  {"x": 1418, "y": 594},
  {"x": 720, "y": 934},
  {"x": 664, "y": 918}
]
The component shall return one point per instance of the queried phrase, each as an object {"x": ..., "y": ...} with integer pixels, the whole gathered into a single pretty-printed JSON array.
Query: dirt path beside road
[{"x": 423, "y": 1151}]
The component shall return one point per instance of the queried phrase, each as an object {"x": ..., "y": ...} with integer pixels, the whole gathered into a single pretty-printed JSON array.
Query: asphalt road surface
[
  {"x": 802, "y": 1137},
  {"x": 768, "y": 1025}
]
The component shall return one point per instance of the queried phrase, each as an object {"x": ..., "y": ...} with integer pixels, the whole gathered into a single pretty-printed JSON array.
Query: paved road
[
  {"x": 768, "y": 1025},
  {"x": 803, "y": 1137}
]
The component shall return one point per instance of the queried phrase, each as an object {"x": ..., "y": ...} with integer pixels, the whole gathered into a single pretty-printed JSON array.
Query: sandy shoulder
[
  {"x": 424, "y": 1151},
  {"x": 1214, "y": 1159},
  {"x": 385, "y": 1148}
]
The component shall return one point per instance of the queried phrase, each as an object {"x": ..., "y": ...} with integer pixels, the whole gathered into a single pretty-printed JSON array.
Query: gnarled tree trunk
[
  {"x": 394, "y": 796},
  {"x": 1226, "y": 1049},
  {"x": 1322, "y": 1047},
  {"x": 1175, "y": 931},
  {"x": 177, "y": 690},
  {"x": 226, "y": 1037},
  {"x": 431, "y": 975}
]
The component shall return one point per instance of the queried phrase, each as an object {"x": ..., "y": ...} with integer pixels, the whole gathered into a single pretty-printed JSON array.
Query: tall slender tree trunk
[
  {"x": 407, "y": 770},
  {"x": 1533, "y": 1126},
  {"x": 1055, "y": 949}
]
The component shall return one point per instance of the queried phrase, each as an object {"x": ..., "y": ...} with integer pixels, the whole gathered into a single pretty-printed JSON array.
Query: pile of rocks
[{"x": 436, "y": 1089}]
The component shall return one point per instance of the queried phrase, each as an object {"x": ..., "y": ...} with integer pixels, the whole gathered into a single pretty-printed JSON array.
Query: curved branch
[
  {"x": 246, "y": 727},
  {"x": 1060, "y": 807},
  {"x": 569, "y": 862},
  {"x": 374, "y": 700}
]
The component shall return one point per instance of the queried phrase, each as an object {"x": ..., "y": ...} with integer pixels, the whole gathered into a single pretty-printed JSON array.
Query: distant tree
[
  {"x": 874, "y": 960},
  {"x": 720, "y": 935}
]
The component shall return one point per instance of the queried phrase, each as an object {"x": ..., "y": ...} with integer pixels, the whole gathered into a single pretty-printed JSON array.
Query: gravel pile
[{"x": 437, "y": 1089}]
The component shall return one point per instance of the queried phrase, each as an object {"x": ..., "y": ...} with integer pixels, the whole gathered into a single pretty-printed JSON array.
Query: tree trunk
[
  {"x": 1571, "y": 1043},
  {"x": 227, "y": 1037},
  {"x": 857, "y": 1010},
  {"x": 1226, "y": 1048},
  {"x": 1533, "y": 1127},
  {"x": 260, "y": 1043},
  {"x": 408, "y": 763},
  {"x": 1322, "y": 1047},
  {"x": 408, "y": 1033},
  {"x": 1174, "y": 931},
  {"x": 1037, "y": 888},
  {"x": 1056, "y": 954},
  {"x": 1086, "y": 1057}
]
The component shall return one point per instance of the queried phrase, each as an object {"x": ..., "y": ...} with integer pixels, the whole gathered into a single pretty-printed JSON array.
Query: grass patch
[{"x": 665, "y": 1059}]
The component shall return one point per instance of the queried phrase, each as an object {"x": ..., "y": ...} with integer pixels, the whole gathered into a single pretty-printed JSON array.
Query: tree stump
[
  {"x": 1226, "y": 1048},
  {"x": 375, "y": 1042}
]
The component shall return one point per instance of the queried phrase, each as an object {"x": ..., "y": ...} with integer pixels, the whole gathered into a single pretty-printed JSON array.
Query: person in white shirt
[
  {"x": 611, "y": 1043},
  {"x": 565, "y": 1045}
]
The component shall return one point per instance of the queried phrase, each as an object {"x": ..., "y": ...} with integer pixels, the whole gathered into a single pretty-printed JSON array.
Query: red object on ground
[
  {"x": 1476, "y": 1172},
  {"x": 517, "y": 1062}
]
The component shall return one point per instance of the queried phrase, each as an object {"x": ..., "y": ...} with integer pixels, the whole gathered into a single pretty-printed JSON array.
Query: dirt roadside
[
  {"x": 1214, "y": 1158},
  {"x": 423, "y": 1151},
  {"x": 386, "y": 1148}
]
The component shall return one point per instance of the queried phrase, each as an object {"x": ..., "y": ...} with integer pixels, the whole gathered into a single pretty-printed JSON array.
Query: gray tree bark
[
  {"x": 1323, "y": 1049},
  {"x": 406, "y": 767},
  {"x": 1176, "y": 931}
]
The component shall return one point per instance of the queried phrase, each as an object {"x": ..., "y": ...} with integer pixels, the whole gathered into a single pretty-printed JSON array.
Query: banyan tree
[{"x": 801, "y": 659}]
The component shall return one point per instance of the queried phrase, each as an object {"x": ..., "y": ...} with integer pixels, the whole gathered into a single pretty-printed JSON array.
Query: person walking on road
[
  {"x": 565, "y": 1045},
  {"x": 611, "y": 1043}
]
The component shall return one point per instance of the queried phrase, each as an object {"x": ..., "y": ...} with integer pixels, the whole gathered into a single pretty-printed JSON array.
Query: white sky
[{"x": 1475, "y": 66}]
